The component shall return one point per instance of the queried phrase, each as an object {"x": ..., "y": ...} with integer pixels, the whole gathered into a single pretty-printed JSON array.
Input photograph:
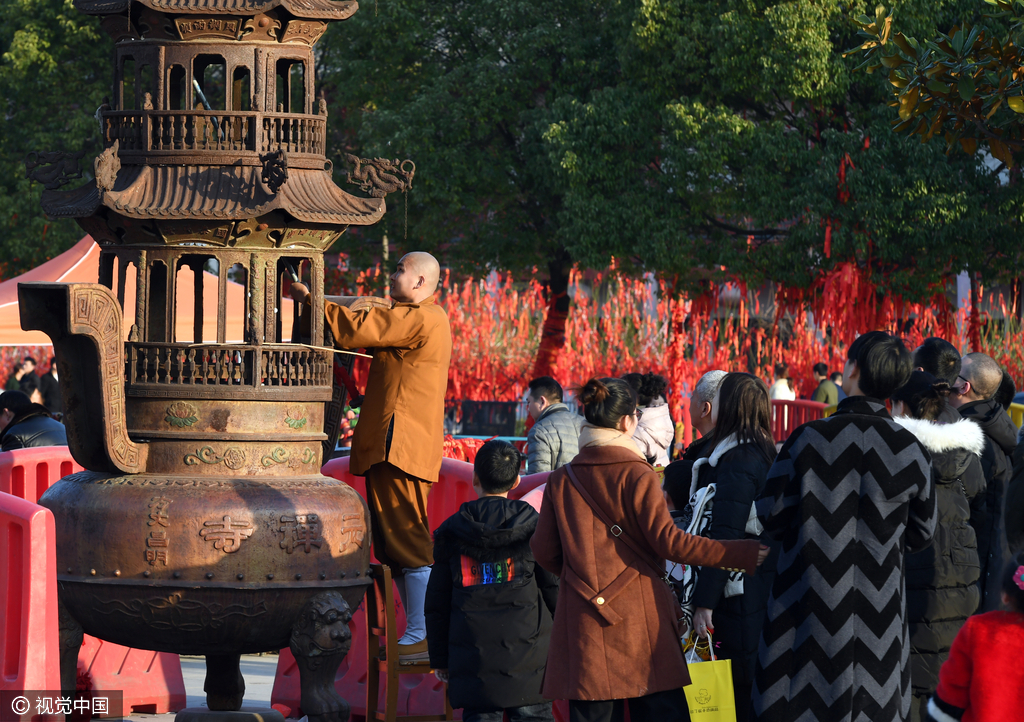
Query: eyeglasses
[{"x": 638, "y": 413}]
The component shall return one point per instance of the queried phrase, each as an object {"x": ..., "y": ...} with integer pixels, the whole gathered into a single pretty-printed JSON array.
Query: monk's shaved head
[
  {"x": 415, "y": 278},
  {"x": 423, "y": 264}
]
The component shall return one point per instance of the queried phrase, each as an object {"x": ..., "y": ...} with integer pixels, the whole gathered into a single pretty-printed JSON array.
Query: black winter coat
[
  {"x": 942, "y": 580},
  {"x": 489, "y": 606},
  {"x": 33, "y": 427},
  {"x": 1001, "y": 438},
  {"x": 49, "y": 387},
  {"x": 1014, "y": 512},
  {"x": 739, "y": 477}
]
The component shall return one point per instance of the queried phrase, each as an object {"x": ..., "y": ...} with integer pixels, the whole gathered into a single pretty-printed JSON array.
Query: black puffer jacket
[
  {"x": 942, "y": 580},
  {"x": 489, "y": 606},
  {"x": 739, "y": 475},
  {"x": 33, "y": 427},
  {"x": 1001, "y": 438},
  {"x": 1014, "y": 512}
]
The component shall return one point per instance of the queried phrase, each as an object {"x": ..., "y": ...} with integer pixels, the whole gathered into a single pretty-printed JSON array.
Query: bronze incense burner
[{"x": 203, "y": 524}]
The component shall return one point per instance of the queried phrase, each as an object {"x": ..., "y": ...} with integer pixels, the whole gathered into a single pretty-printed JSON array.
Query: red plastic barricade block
[
  {"x": 454, "y": 486},
  {"x": 152, "y": 682},
  {"x": 28, "y": 597},
  {"x": 28, "y": 473},
  {"x": 787, "y": 415},
  {"x": 528, "y": 484}
]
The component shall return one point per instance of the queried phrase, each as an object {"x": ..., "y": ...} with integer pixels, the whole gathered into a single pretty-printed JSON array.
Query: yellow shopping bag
[{"x": 710, "y": 694}]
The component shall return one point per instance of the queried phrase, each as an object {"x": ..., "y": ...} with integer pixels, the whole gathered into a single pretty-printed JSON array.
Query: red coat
[
  {"x": 983, "y": 676},
  {"x": 616, "y": 632}
]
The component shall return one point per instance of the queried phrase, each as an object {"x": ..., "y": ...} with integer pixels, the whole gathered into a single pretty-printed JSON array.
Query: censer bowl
[{"x": 204, "y": 565}]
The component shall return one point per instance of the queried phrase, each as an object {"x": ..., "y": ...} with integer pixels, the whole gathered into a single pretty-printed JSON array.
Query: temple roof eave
[
  {"x": 216, "y": 193},
  {"x": 317, "y": 9}
]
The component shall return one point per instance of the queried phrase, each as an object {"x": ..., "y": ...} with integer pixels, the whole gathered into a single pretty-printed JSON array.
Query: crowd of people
[
  {"x": 868, "y": 568},
  {"x": 31, "y": 408}
]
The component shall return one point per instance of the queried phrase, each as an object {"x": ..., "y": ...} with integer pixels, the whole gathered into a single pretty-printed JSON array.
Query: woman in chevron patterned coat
[{"x": 847, "y": 497}]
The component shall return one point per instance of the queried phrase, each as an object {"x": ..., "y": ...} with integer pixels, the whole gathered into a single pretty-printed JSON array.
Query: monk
[{"x": 400, "y": 435}]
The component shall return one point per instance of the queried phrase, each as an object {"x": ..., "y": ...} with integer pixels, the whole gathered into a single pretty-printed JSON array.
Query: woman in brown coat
[{"x": 616, "y": 629}]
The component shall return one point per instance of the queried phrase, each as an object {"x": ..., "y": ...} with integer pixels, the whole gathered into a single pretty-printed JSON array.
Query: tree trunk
[{"x": 552, "y": 336}]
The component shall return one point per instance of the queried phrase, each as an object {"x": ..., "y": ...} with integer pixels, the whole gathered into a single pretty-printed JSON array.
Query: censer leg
[
  {"x": 224, "y": 685},
  {"x": 320, "y": 640},
  {"x": 70, "y": 639}
]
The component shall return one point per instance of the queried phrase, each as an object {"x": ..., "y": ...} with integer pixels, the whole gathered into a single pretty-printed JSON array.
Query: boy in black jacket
[{"x": 489, "y": 606}]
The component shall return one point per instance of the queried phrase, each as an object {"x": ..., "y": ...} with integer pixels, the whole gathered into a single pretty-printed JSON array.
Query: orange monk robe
[{"x": 412, "y": 347}]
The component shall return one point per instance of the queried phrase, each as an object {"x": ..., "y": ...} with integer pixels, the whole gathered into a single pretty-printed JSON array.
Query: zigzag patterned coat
[{"x": 847, "y": 497}]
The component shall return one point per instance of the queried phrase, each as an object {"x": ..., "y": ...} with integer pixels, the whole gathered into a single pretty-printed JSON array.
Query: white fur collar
[
  {"x": 963, "y": 434},
  {"x": 728, "y": 444}
]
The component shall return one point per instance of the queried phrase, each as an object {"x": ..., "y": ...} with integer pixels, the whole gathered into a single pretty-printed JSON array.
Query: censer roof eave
[
  {"x": 319, "y": 9},
  {"x": 216, "y": 193}
]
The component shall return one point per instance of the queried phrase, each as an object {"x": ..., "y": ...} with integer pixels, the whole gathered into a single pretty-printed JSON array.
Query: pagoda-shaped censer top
[{"x": 215, "y": 161}]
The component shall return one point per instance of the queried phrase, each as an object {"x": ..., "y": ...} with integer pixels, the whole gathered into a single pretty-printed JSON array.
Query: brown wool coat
[
  {"x": 411, "y": 345},
  {"x": 628, "y": 645}
]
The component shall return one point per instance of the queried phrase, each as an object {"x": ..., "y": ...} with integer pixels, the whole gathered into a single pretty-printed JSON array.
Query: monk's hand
[
  {"x": 702, "y": 622},
  {"x": 299, "y": 292},
  {"x": 762, "y": 554}
]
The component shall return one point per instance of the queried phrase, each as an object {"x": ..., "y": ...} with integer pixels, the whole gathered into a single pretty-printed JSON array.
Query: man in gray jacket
[{"x": 554, "y": 439}]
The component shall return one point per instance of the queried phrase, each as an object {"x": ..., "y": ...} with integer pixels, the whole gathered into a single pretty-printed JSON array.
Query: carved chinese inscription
[
  {"x": 303, "y": 31},
  {"x": 156, "y": 543},
  {"x": 226, "y": 534},
  {"x": 352, "y": 531},
  {"x": 301, "y": 530},
  {"x": 192, "y": 28}
]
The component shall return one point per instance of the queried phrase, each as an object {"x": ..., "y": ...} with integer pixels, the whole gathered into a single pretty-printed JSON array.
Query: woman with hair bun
[
  {"x": 942, "y": 579},
  {"x": 656, "y": 431},
  {"x": 605, "y": 530}
]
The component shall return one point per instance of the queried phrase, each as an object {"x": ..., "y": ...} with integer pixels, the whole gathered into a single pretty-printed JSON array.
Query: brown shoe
[{"x": 415, "y": 653}]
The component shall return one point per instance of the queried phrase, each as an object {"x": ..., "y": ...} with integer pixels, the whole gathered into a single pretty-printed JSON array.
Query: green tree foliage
[
  {"x": 966, "y": 84},
  {"x": 739, "y": 136},
  {"x": 466, "y": 89},
  {"x": 54, "y": 72},
  {"x": 678, "y": 136}
]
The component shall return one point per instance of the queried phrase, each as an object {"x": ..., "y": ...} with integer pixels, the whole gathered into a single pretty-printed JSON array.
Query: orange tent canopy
[{"x": 80, "y": 264}]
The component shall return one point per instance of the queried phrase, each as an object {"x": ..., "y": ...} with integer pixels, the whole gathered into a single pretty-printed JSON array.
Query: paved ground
[{"x": 259, "y": 683}]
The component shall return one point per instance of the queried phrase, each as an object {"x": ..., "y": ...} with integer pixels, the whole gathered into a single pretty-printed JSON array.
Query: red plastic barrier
[
  {"x": 528, "y": 484},
  {"x": 27, "y": 473},
  {"x": 151, "y": 681},
  {"x": 454, "y": 486},
  {"x": 29, "y": 643},
  {"x": 788, "y": 415}
]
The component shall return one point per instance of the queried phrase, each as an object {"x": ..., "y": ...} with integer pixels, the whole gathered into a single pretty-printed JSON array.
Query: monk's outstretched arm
[{"x": 399, "y": 327}]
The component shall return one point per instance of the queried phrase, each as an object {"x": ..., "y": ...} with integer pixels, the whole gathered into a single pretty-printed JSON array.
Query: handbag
[{"x": 710, "y": 695}]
